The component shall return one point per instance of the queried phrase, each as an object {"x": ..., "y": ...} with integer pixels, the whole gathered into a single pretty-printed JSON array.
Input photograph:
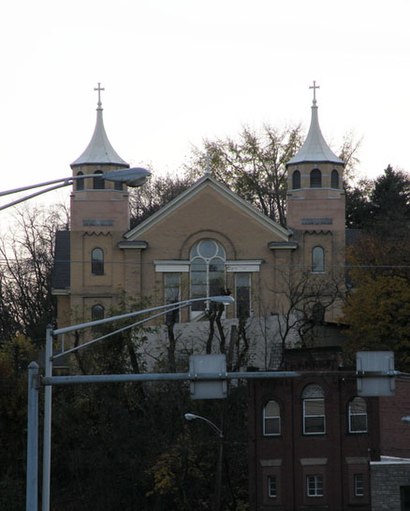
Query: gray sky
[{"x": 178, "y": 71}]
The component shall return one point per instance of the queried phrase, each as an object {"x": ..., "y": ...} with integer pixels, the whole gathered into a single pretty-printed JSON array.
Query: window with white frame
[
  {"x": 357, "y": 415},
  {"x": 243, "y": 294},
  {"x": 207, "y": 260},
  {"x": 314, "y": 420},
  {"x": 272, "y": 487},
  {"x": 271, "y": 419},
  {"x": 314, "y": 485},
  {"x": 358, "y": 483}
]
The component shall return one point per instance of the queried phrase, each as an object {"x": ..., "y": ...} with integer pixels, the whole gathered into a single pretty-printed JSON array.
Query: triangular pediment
[{"x": 207, "y": 193}]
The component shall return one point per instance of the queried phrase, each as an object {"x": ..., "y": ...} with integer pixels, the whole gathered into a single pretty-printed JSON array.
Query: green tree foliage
[
  {"x": 253, "y": 165},
  {"x": 377, "y": 308}
]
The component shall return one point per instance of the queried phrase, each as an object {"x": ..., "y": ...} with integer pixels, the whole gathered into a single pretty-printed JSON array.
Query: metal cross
[
  {"x": 99, "y": 89},
  {"x": 314, "y": 87}
]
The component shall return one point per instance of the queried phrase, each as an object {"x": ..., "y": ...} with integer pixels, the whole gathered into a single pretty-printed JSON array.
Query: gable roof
[{"x": 225, "y": 192}]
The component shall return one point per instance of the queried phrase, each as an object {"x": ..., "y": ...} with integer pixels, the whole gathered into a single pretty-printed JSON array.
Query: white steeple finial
[
  {"x": 314, "y": 87},
  {"x": 99, "y": 89}
]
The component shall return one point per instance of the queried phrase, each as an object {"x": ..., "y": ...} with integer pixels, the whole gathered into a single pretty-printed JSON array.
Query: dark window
[
  {"x": 172, "y": 294},
  {"x": 271, "y": 419},
  {"x": 315, "y": 179},
  {"x": 97, "y": 261},
  {"x": 318, "y": 260},
  {"x": 357, "y": 415},
  {"x": 314, "y": 486},
  {"x": 296, "y": 180},
  {"x": 334, "y": 179},
  {"x": 313, "y": 410},
  {"x": 358, "y": 481},
  {"x": 97, "y": 312},
  {"x": 98, "y": 181},
  {"x": 272, "y": 487},
  {"x": 79, "y": 183},
  {"x": 243, "y": 294},
  {"x": 118, "y": 186}
]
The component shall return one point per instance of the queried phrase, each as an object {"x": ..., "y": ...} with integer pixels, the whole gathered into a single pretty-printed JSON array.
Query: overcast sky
[{"x": 178, "y": 71}]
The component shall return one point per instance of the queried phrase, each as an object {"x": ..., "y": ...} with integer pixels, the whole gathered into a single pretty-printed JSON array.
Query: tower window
[
  {"x": 271, "y": 419},
  {"x": 97, "y": 261},
  {"x": 296, "y": 180},
  {"x": 313, "y": 410},
  {"x": 334, "y": 180},
  {"x": 315, "y": 178},
  {"x": 318, "y": 260},
  {"x": 79, "y": 183},
  {"x": 98, "y": 181}
]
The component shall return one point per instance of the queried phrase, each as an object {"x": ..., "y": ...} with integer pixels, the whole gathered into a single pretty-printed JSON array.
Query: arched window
[
  {"x": 334, "y": 179},
  {"x": 79, "y": 183},
  {"x": 97, "y": 261},
  {"x": 314, "y": 420},
  {"x": 207, "y": 271},
  {"x": 315, "y": 178},
  {"x": 357, "y": 415},
  {"x": 97, "y": 312},
  {"x": 98, "y": 181},
  {"x": 296, "y": 180},
  {"x": 318, "y": 260},
  {"x": 271, "y": 419}
]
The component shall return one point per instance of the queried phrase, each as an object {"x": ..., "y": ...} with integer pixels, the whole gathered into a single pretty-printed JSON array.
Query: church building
[{"x": 203, "y": 242}]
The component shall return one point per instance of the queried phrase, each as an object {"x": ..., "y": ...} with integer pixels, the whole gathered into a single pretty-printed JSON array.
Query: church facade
[{"x": 206, "y": 242}]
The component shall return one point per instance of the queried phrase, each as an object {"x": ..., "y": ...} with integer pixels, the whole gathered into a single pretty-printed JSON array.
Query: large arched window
[
  {"x": 271, "y": 419},
  {"x": 334, "y": 179},
  {"x": 314, "y": 420},
  {"x": 315, "y": 178},
  {"x": 318, "y": 260},
  {"x": 97, "y": 261},
  {"x": 207, "y": 271},
  {"x": 296, "y": 180},
  {"x": 79, "y": 183},
  {"x": 98, "y": 181},
  {"x": 357, "y": 415}
]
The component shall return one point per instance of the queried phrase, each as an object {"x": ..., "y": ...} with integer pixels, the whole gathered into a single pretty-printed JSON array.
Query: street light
[
  {"x": 218, "y": 477},
  {"x": 133, "y": 177},
  {"x": 48, "y": 370}
]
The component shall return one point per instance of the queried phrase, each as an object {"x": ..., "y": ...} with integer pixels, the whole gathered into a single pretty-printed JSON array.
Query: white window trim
[
  {"x": 315, "y": 492},
  {"x": 313, "y": 416}
]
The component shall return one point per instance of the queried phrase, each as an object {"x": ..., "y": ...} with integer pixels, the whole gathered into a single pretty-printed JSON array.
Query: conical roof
[
  {"x": 99, "y": 151},
  {"x": 315, "y": 148}
]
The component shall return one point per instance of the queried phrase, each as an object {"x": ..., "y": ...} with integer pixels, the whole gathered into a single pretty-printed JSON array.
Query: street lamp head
[
  {"x": 133, "y": 177},
  {"x": 190, "y": 416},
  {"x": 225, "y": 299}
]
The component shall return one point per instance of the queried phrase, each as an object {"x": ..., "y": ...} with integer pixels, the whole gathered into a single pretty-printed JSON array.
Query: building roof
[
  {"x": 315, "y": 148},
  {"x": 99, "y": 151}
]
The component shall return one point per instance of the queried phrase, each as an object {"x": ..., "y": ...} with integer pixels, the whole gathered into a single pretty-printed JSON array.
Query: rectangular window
[
  {"x": 314, "y": 486},
  {"x": 358, "y": 480},
  {"x": 172, "y": 290},
  {"x": 313, "y": 416},
  {"x": 243, "y": 294},
  {"x": 272, "y": 488}
]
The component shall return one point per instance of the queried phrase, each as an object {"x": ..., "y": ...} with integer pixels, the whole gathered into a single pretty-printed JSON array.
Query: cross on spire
[
  {"x": 99, "y": 89},
  {"x": 314, "y": 87}
]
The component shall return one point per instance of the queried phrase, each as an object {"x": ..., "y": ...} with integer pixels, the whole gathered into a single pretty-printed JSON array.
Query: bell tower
[{"x": 316, "y": 200}]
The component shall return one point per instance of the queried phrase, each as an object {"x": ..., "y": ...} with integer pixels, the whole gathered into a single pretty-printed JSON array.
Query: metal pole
[
  {"x": 32, "y": 438},
  {"x": 218, "y": 483},
  {"x": 47, "y": 422}
]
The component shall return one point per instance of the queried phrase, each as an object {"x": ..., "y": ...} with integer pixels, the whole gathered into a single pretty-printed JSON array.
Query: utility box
[
  {"x": 202, "y": 369},
  {"x": 375, "y": 373}
]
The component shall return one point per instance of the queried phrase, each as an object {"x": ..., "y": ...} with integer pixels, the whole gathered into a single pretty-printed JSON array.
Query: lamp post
[
  {"x": 133, "y": 177},
  {"x": 48, "y": 370},
  {"x": 218, "y": 476}
]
